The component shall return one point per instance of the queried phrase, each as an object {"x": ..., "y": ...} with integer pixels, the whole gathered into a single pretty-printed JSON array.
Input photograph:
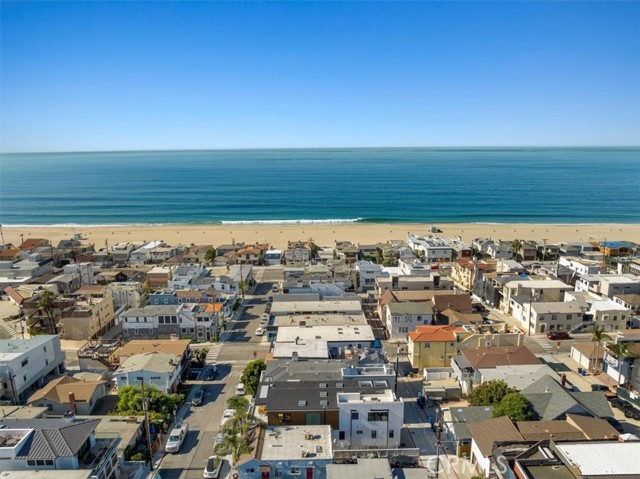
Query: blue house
[{"x": 283, "y": 452}]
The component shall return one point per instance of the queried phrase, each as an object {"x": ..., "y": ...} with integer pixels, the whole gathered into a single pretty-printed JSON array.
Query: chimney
[
  {"x": 563, "y": 379},
  {"x": 72, "y": 403}
]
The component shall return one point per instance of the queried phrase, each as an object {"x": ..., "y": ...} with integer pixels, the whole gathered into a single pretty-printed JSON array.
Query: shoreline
[{"x": 324, "y": 234}]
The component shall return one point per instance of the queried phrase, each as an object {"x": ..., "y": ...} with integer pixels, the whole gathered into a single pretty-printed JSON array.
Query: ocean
[{"x": 426, "y": 185}]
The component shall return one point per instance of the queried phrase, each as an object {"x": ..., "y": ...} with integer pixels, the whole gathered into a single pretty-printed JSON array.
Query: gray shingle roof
[
  {"x": 550, "y": 400},
  {"x": 52, "y": 438}
]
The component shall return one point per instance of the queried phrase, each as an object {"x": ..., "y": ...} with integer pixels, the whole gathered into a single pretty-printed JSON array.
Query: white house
[
  {"x": 273, "y": 257},
  {"x": 162, "y": 370},
  {"x": 402, "y": 318},
  {"x": 142, "y": 255},
  {"x": 367, "y": 272},
  {"x": 182, "y": 276},
  {"x": 369, "y": 419},
  {"x": 83, "y": 270},
  {"x": 434, "y": 248},
  {"x": 126, "y": 294},
  {"x": 24, "y": 363}
]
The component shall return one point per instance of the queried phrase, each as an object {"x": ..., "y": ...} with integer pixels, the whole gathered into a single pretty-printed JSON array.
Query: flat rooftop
[
  {"x": 44, "y": 474},
  {"x": 289, "y": 442},
  {"x": 344, "y": 306},
  {"x": 360, "y": 397},
  {"x": 598, "y": 458},
  {"x": 11, "y": 348},
  {"x": 327, "y": 333},
  {"x": 313, "y": 349},
  {"x": 318, "y": 320}
]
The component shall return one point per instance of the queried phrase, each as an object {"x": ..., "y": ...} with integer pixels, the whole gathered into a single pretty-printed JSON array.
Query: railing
[
  {"x": 103, "y": 448},
  {"x": 351, "y": 454}
]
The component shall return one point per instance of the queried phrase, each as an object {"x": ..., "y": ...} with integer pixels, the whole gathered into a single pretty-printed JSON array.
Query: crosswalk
[
  {"x": 214, "y": 352},
  {"x": 543, "y": 343}
]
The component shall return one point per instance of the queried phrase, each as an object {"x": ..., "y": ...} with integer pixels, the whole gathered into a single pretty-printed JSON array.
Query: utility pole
[
  {"x": 145, "y": 407},
  {"x": 1, "y": 234},
  {"x": 438, "y": 443}
]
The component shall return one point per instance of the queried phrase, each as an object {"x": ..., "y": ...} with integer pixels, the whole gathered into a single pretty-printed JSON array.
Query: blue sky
[{"x": 196, "y": 75}]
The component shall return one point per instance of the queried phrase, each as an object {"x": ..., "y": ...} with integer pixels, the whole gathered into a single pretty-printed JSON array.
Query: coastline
[{"x": 277, "y": 235}]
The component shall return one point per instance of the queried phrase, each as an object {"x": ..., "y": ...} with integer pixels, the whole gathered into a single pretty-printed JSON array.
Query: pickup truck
[{"x": 176, "y": 438}]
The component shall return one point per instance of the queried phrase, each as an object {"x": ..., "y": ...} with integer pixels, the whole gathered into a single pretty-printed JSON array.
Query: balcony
[{"x": 99, "y": 456}]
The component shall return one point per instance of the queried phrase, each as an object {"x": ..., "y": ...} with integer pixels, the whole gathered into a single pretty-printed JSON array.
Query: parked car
[
  {"x": 265, "y": 317},
  {"x": 557, "y": 335},
  {"x": 263, "y": 323},
  {"x": 240, "y": 391},
  {"x": 219, "y": 439},
  {"x": 260, "y": 331},
  {"x": 210, "y": 373},
  {"x": 212, "y": 469},
  {"x": 267, "y": 308},
  {"x": 631, "y": 412},
  {"x": 176, "y": 438},
  {"x": 618, "y": 403},
  {"x": 197, "y": 397},
  {"x": 226, "y": 416},
  {"x": 270, "y": 299}
]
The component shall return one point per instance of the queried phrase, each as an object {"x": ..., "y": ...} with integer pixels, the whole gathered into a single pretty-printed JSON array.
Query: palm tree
[
  {"x": 516, "y": 245},
  {"x": 243, "y": 286},
  {"x": 597, "y": 336},
  {"x": 45, "y": 303},
  {"x": 232, "y": 443}
]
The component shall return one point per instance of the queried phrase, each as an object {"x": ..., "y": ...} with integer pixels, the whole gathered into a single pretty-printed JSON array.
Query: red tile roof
[{"x": 430, "y": 334}]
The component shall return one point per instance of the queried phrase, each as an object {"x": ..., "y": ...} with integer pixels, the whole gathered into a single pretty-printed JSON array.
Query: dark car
[
  {"x": 556, "y": 335},
  {"x": 197, "y": 397},
  {"x": 600, "y": 387},
  {"x": 615, "y": 424},
  {"x": 618, "y": 403},
  {"x": 210, "y": 374},
  {"x": 631, "y": 413}
]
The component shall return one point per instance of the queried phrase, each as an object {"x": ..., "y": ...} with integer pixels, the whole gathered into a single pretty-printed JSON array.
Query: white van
[{"x": 176, "y": 438}]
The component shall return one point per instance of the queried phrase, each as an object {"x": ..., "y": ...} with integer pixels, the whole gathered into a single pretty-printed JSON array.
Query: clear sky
[{"x": 197, "y": 75}]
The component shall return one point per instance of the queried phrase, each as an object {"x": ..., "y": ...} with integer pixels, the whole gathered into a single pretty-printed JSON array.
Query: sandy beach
[{"x": 322, "y": 234}]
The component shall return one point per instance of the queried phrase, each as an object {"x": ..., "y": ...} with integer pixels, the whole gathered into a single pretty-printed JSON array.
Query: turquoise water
[{"x": 595, "y": 185}]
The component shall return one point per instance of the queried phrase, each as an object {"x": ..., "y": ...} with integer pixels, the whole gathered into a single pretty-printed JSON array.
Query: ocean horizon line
[
  {"x": 335, "y": 148},
  {"x": 328, "y": 222}
]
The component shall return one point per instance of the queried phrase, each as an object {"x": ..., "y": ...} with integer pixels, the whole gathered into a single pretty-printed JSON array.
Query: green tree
[
  {"x": 160, "y": 405},
  {"x": 232, "y": 443},
  {"x": 243, "y": 287},
  {"x": 597, "y": 337},
  {"x": 489, "y": 393},
  {"x": 45, "y": 303},
  {"x": 210, "y": 255},
  {"x": 199, "y": 356},
  {"x": 516, "y": 246},
  {"x": 515, "y": 406},
  {"x": 390, "y": 262},
  {"x": 251, "y": 375}
]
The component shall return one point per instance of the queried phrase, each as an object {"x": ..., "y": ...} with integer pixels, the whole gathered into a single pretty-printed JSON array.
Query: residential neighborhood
[{"x": 423, "y": 355}]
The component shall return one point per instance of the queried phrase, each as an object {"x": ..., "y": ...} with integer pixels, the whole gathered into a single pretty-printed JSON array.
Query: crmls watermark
[{"x": 459, "y": 466}]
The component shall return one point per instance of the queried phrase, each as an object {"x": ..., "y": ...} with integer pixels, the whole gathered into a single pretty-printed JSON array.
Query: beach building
[
  {"x": 66, "y": 395},
  {"x": 287, "y": 452},
  {"x": 183, "y": 275},
  {"x": 296, "y": 392},
  {"x": 532, "y": 290},
  {"x": 34, "y": 266},
  {"x": 273, "y": 257},
  {"x": 369, "y": 419},
  {"x": 367, "y": 272},
  {"x": 609, "y": 285},
  {"x": 142, "y": 255},
  {"x": 128, "y": 294},
  {"x": 297, "y": 252},
  {"x": 435, "y": 249},
  {"x": 197, "y": 321},
  {"x": 340, "y": 341},
  {"x": 500, "y": 249},
  {"x": 468, "y": 364},
  {"x": 162, "y": 370},
  {"x": 58, "y": 446},
  {"x": 403, "y": 318},
  {"x": 88, "y": 318},
  {"x": 24, "y": 363}
]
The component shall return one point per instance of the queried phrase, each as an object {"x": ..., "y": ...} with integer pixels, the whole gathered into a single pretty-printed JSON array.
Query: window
[
  {"x": 354, "y": 415},
  {"x": 31, "y": 463},
  {"x": 341, "y": 435},
  {"x": 49, "y": 407},
  {"x": 49, "y": 462},
  {"x": 569, "y": 316},
  {"x": 541, "y": 318},
  {"x": 554, "y": 317},
  {"x": 378, "y": 416},
  {"x": 358, "y": 432},
  {"x": 391, "y": 433},
  {"x": 250, "y": 471},
  {"x": 25, "y": 362},
  {"x": 324, "y": 394},
  {"x": 374, "y": 434},
  {"x": 427, "y": 345},
  {"x": 24, "y": 378},
  {"x": 295, "y": 471}
]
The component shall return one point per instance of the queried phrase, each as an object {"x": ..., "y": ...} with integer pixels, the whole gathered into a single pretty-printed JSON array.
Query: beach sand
[{"x": 322, "y": 234}]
